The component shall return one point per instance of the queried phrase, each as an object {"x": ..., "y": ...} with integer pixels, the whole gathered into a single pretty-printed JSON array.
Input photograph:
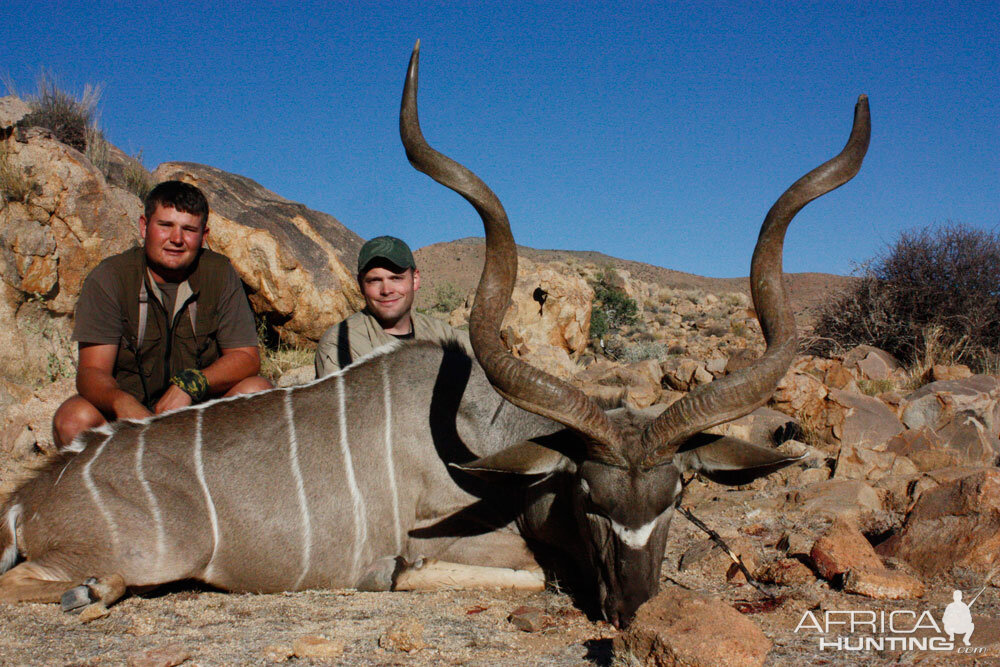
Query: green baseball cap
[{"x": 385, "y": 247}]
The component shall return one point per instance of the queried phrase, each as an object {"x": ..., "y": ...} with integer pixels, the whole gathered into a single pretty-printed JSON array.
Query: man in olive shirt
[
  {"x": 162, "y": 326},
  {"x": 389, "y": 279}
]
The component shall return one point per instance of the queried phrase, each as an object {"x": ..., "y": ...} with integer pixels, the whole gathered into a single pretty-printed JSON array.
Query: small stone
[
  {"x": 812, "y": 476},
  {"x": 406, "y": 635},
  {"x": 93, "y": 612},
  {"x": 843, "y": 548},
  {"x": 883, "y": 584},
  {"x": 316, "y": 647},
  {"x": 278, "y": 653},
  {"x": 165, "y": 656},
  {"x": 529, "y": 619},
  {"x": 796, "y": 543},
  {"x": 785, "y": 572}
]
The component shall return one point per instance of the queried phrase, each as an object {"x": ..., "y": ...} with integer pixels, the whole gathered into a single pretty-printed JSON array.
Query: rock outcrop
[
  {"x": 70, "y": 221},
  {"x": 298, "y": 263}
]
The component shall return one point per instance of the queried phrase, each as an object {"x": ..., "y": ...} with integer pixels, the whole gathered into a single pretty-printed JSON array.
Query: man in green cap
[{"x": 389, "y": 279}]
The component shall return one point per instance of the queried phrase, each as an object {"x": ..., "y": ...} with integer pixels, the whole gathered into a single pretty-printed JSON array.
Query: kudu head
[{"x": 625, "y": 476}]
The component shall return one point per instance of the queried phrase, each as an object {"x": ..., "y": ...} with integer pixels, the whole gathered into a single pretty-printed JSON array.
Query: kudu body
[{"x": 417, "y": 451}]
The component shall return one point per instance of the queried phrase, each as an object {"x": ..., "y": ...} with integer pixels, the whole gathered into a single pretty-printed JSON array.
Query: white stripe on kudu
[
  {"x": 293, "y": 457},
  {"x": 154, "y": 506},
  {"x": 199, "y": 469},
  {"x": 96, "y": 495},
  {"x": 358, "y": 502},
  {"x": 389, "y": 460}
]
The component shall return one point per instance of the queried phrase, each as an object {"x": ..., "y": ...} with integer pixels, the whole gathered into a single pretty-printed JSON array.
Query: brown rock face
[
  {"x": 549, "y": 309},
  {"x": 70, "y": 221},
  {"x": 299, "y": 263},
  {"x": 955, "y": 524},
  {"x": 680, "y": 627}
]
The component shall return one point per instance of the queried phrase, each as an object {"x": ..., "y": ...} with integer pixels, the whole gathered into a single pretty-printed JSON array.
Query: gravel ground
[{"x": 464, "y": 627}]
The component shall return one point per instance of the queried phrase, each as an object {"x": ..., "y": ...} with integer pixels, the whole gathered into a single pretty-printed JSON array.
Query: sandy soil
[{"x": 467, "y": 627}]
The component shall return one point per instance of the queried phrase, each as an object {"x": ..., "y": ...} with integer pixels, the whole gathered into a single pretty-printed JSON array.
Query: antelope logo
[{"x": 414, "y": 467}]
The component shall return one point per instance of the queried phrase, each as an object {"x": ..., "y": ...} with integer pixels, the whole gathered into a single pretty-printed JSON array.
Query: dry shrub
[
  {"x": 934, "y": 295},
  {"x": 14, "y": 183},
  {"x": 67, "y": 117},
  {"x": 137, "y": 178}
]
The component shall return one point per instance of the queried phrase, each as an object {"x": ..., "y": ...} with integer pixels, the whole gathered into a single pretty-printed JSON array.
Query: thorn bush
[
  {"x": 942, "y": 278},
  {"x": 611, "y": 308}
]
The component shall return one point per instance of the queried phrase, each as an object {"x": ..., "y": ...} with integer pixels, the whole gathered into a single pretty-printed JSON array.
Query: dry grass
[
  {"x": 276, "y": 362},
  {"x": 69, "y": 118},
  {"x": 138, "y": 180},
  {"x": 15, "y": 185}
]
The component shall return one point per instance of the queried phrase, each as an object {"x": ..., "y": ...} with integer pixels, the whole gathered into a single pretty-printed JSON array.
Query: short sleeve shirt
[{"x": 101, "y": 316}]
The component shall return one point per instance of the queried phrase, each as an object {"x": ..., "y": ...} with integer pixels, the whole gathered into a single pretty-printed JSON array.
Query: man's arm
[
  {"x": 95, "y": 382},
  {"x": 235, "y": 364}
]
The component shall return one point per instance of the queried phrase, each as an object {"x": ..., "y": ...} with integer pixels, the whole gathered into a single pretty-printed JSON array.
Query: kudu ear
[
  {"x": 728, "y": 460},
  {"x": 524, "y": 458}
]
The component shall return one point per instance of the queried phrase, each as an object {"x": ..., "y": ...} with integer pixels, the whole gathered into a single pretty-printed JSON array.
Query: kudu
[{"x": 414, "y": 451}]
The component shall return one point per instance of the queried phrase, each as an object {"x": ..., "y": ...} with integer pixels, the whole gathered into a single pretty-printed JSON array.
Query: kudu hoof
[
  {"x": 75, "y": 599},
  {"x": 381, "y": 575}
]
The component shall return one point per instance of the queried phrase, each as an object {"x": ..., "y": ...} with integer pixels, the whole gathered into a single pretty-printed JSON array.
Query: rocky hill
[{"x": 458, "y": 263}]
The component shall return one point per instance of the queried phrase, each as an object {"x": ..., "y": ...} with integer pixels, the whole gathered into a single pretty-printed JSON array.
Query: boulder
[
  {"x": 299, "y": 264},
  {"x": 550, "y": 307},
  {"x": 882, "y": 584},
  {"x": 48, "y": 244},
  {"x": 691, "y": 629},
  {"x": 640, "y": 382},
  {"x": 954, "y": 524},
  {"x": 856, "y": 419},
  {"x": 964, "y": 443},
  {"x": 871, "y": 463},
  {"x": 763, "y": 426},
  {"x": 683, "y": 374},
  {"x": 852, "y": 500},
  {"x": 871, "y": 363},
  {"x": 951, "y": 423},
  {"x": 12, "y": 109},
  {"x": 936, "y": 404},
  {"x": 843, "y": 548},
  {"x": 803, "y": 396}
]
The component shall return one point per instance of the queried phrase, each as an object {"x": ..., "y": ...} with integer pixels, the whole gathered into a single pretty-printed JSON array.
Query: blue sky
[{"x": 658, "y": 132}]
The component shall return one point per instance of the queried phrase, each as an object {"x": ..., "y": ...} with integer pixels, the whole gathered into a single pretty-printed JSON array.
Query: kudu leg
[
  {"x": 28, "y": 582},
  {"x": 427, "y": 574},
  {"x": 31, "y": 582}
]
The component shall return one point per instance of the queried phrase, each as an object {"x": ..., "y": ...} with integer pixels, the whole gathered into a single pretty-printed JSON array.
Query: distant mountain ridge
[{"x": 460, "y": 263}]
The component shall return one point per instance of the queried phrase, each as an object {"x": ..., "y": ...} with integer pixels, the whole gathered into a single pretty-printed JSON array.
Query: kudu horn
[{"x": 521, "y": 384}]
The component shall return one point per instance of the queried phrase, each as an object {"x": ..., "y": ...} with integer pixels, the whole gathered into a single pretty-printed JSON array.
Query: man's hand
[
  {"x": 127, "y": 407},
  {"x": 95, "y": 383},
  {"x": 173, "y": 399}
]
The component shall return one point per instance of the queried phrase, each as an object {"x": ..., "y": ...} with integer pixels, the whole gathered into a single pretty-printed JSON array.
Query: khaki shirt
[{"x": 359, "y": 334}]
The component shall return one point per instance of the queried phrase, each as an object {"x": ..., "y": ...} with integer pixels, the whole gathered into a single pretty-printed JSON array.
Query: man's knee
[
  {"x": 250, "y": 385},
  {"x": 73, "y": 417}
]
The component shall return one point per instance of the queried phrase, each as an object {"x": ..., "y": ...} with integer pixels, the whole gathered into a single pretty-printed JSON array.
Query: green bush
[
  {"x": 446, "y": 298},
  {"x": 943, "y": 280},
  {"x": 611, "y": 308}
]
